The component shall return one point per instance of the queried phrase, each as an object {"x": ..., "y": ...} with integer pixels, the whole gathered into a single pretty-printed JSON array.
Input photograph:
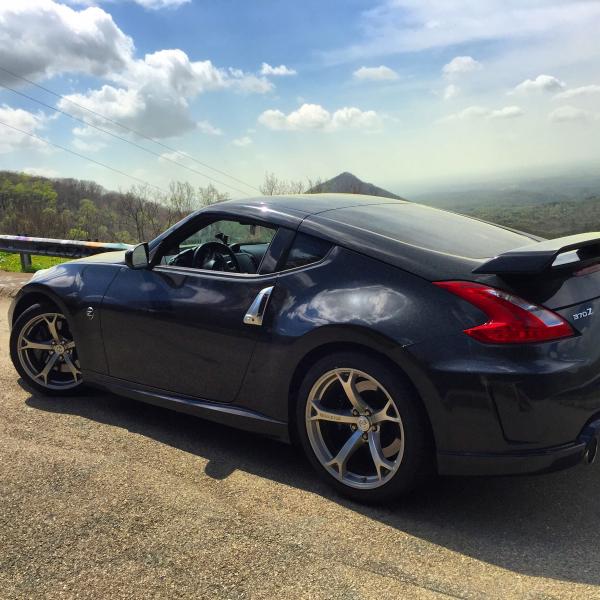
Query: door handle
[{"x": 256, "y": 312}]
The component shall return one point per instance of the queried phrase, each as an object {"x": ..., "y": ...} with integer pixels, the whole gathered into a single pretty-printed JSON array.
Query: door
[{"x": 181, "y": 329}]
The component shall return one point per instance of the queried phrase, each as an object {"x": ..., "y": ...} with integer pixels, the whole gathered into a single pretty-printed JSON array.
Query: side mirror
[{"x": 138, "y": 257}]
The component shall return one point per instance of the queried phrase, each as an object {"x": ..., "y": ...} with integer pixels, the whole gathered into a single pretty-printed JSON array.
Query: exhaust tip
[{"x": 590, "y": 453}]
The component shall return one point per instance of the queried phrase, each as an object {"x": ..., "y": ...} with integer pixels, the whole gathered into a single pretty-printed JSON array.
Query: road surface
[{"x": 103, "y": 497}]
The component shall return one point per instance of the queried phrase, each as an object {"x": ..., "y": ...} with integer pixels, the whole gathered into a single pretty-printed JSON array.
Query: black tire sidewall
[
  {"x": 21, "y": 321},
  {"x": 417, "y": 462}
]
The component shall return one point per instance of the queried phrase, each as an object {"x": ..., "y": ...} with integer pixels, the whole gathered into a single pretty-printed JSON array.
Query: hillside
[{"x": 347, "y": 183}]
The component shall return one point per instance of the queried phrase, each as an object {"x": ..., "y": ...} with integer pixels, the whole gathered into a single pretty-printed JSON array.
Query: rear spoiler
[{"x": 539, "y": 256}]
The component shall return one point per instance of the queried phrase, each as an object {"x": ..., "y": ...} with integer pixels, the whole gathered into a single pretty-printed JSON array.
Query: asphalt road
[{"x": 105, "y": 498}]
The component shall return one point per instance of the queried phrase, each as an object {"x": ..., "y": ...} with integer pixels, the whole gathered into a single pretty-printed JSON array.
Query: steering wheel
[{"x": 215, "y": 256}]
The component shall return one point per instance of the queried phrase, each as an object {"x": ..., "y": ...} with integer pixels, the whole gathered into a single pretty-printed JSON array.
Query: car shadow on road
[{"x": 543, "y": 526}]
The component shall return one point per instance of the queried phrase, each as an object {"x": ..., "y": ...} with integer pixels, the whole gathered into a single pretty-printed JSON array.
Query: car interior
[{"x": 224, "y": 245}]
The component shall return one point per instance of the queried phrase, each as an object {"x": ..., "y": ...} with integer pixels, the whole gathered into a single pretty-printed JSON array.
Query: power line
[
  {"x": 146, "y": 137},
  {"x": 118, "y": 137},
  {"x": 41, "y": 139}
]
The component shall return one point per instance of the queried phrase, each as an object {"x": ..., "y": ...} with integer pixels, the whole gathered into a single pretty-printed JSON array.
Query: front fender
[{"x": 73, "y": 288}]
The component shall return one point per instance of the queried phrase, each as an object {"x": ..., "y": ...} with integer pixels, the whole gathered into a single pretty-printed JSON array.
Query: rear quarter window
[{"x": 305, "y": 250}]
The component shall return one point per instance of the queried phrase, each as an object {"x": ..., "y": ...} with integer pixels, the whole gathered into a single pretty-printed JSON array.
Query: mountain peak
[{"x": 348, "y": 183}]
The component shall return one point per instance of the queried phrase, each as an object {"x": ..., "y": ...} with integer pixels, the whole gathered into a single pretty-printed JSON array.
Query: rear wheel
[
  {"x": 43, "y": 351},
  {"x": 363, "y": 428}
]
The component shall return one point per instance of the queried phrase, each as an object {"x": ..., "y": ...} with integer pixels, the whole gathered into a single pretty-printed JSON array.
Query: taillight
[{"x": 511, "y": 320}]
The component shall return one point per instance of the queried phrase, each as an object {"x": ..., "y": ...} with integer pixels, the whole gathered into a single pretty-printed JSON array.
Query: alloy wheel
[
  {"x": 354, "y": 428},
  {"x": 47, "y": 352}
]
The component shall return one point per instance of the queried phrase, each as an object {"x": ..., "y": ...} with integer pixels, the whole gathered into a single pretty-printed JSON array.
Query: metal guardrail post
[{"x": 25, "y": 261}]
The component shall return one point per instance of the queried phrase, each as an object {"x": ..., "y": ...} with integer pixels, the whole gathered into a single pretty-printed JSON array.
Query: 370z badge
[{"x": 583, "y": 314}]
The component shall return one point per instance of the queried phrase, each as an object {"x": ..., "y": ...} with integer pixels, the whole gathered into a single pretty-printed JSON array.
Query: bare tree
[
  {"x": 180, "y": 201},
  {"x": 141, "y": 213},
  {"x": 211, "y": 195},
  {"x": 314, "y": 186},
  {"x": 273, "y": 186}
]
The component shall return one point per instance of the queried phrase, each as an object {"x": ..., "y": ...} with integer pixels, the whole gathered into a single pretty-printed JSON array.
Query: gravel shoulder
[
  {"x": 10, "y": 283},
  {"x": 103, "y": 497}
]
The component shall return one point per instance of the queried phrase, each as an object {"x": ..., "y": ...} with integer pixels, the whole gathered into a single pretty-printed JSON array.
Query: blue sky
[{"x": 407, "y": 94}]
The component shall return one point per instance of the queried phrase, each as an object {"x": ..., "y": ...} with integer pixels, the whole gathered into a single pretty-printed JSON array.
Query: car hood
[{"x": 116, "y": 257}]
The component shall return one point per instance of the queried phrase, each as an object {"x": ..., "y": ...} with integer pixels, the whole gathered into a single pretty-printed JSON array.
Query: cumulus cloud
[
  {"x": 88, "y": 139},
  {"x": 508, "y": 112},
  {"x": 570, "y": 113},
  {"x": 40, "y": 38},
  {"x": 315, "y": 117},
  {"x": 578, "y": 92},
  {"x": 28, "y": 123},
  {"x": 461, "y": 65},
  {"x": 480, "y": 112},
  {"x": 451, "y": 91},
  {"x": 380, "y": 73},
  {"x": 542, "y": 83},
  {"x": 242, "y": 141},
  {"x": 208, "y": 128},
  {"x": 280, "y": 71},
  {"x": 149, "y": 4},
  {"x": 152, "y": 94}
]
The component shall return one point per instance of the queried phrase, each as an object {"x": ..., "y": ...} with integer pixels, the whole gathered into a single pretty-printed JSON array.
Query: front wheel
[
  {"x": 363, "y": 428},
  {"x": 43, "y": 351}
]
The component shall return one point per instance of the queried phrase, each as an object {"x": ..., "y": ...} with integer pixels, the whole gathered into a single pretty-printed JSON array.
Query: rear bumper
[{"x": 521, "y": 463}]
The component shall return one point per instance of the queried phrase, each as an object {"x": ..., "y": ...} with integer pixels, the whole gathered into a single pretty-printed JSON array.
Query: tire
[
  {"x": 394, "y": 454},
  {"x": 41, "y": 344}
]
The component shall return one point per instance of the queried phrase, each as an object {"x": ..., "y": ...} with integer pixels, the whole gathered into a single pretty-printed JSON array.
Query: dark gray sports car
[{"x": 389, "y": 340}]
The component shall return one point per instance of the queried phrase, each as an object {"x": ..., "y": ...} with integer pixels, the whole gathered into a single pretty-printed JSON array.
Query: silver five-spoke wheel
[
  {"x": 354, "y": 428},
  {"x": 47, "y": 352}
]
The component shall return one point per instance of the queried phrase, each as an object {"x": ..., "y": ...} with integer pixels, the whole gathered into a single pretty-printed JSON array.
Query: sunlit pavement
[
  {"x": 10, "y": 283},
  {"x": 102, "y": 497}
]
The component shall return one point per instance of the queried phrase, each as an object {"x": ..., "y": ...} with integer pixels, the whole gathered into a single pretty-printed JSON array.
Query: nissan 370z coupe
[{"x": 388, "y": 339}]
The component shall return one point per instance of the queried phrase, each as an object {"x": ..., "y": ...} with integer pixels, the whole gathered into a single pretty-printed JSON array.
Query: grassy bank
[{"x": 12, "y": 262}]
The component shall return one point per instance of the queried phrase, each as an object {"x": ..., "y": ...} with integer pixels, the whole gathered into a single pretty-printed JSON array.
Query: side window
[
  {"x": 223, "y": 245},
  {"x": 305, "y": 250}
]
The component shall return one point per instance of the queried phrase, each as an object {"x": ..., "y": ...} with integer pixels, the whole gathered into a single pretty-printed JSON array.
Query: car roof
[
  {"x": 308, "y": 204},
  {"x": 426, "y": 241}
]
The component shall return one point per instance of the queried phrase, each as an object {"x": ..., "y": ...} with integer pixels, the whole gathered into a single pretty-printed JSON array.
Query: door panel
[{"x": 181, "y": 330}]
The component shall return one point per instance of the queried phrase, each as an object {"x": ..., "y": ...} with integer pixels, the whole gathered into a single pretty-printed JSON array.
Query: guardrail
[{"x": 26, "y": 246}]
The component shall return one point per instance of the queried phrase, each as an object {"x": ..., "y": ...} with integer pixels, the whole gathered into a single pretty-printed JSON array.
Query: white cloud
[
  {"x": 461, "y": 65},
  {"x": 399, "y": 26},
  {"x": 479, "y": 112},
  {"x": 28, "y": 123},
  {"x": 508, "y": 112},
  {"x": 242, "y": 141},
  {"x": 353, "y": 117},
  {"x": 88, "y": 139},
  {"x": 315, "y": 117},
  {"x": 542, "y": 83},
  {"x": 380, "y": 73},
  {"x": 249, "y": 84},
  {"x": 208, "y": 128},
  {"x": 280, "y": 71},
  {"x": 149, "y": 4},
  {"x": 41, "y": 172},
  {"x": 153, "y": 94},
  {"x": 451, "y": 91},
  {"x": 40, "y": 38},
  {"x": 586, "y": 90},
  {"x": 570, "y": 113}
]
